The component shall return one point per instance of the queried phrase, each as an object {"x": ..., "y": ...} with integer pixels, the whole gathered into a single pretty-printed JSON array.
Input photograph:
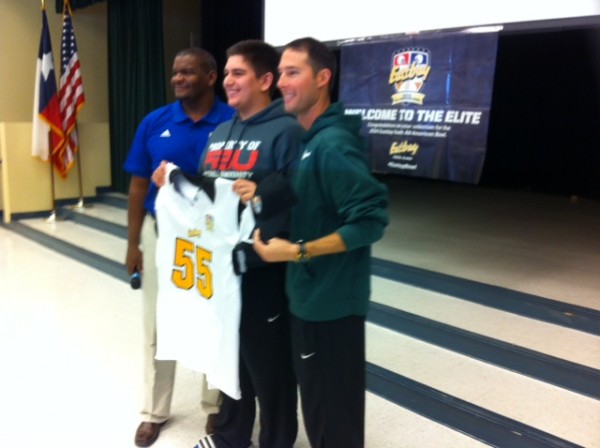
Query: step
[
  {"x": 537, "y": 244},
  {"x": 105, "y": 244},
  {"x": 554, "y": 340},
  {"x": 525, "y": 400},
  {"x": 101, "y": 216}
]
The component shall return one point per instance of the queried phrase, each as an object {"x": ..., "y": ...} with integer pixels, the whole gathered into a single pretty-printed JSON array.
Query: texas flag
[{"x": 48, "y": 136}]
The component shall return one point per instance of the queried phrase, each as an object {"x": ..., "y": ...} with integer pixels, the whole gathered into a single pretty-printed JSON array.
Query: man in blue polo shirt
[{"x": 177, "y": 132}]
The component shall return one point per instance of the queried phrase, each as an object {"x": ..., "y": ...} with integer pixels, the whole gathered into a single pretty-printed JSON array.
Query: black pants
[
  {"x": 266, "y": 371},
  {"x": 329, "y": 360}
]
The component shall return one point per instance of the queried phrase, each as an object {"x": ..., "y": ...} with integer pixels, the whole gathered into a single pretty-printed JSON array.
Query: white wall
[{"x": 334, "y": 20}]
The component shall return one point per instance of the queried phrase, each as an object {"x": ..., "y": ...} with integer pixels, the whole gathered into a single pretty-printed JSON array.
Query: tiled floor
[{"x": 70, "y": 335}]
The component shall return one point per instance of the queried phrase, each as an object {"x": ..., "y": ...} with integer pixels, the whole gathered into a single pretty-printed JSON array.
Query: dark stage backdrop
[
  {"x": 226, "y": 22},
  {"x": 135, "y": 72},
  {"x": 544, "y": 131}
]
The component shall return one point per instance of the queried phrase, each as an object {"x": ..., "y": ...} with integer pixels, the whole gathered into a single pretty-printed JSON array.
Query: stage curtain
[{"x": 136, "y": 74}]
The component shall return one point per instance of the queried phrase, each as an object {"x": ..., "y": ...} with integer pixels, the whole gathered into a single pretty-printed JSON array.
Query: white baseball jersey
[{"x": 199, "y": 303}]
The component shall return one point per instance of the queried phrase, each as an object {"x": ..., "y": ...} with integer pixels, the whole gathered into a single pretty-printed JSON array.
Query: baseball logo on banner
[{"x": 410, "y": 69}]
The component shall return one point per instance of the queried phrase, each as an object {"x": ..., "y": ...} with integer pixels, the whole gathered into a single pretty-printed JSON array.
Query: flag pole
[
  {"x": 80, "y": 206},
  {"x": 53, "y": 217},
  {"x": 71, "y": 86},
  {"x": 50, "y": 111}
]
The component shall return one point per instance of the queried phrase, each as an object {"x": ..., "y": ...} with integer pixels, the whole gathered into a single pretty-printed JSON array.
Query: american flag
[
  {"x": 72, "y": 97},
  {"x": 47, "y": 136}
]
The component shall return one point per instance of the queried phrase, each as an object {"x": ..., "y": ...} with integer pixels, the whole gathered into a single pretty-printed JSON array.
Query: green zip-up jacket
[{"x": 337, "y": 194}]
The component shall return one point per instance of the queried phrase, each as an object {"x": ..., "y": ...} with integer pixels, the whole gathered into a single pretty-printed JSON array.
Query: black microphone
[{"x": 136, "y": 280}]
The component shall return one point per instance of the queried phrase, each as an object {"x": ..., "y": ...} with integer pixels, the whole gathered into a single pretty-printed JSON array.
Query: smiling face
[
  {"x": 304, "y": 91},
  {"x": 189, "y": 78},
  {"x": 246, "y": 92}
]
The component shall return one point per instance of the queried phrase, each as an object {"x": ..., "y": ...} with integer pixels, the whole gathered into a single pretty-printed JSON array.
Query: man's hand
[
  {"x": 160, "y": 174},
  {"x": 134, "y": 259},
  {"x": 275, "y": 250},
  {"x": 245, "y": 189}
]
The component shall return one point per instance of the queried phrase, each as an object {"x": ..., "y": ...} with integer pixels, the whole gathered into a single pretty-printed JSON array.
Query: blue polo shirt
[{"x": 169, "y": 134}]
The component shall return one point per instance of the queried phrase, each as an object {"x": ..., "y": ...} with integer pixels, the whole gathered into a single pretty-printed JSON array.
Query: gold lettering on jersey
[
  {"x": 194, "y": 233},
  {"x": 192, "y": 267},
  {"x": 209, "y": 222}
]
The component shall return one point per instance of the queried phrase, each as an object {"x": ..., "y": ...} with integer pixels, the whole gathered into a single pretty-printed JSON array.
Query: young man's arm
[{"x": 278, "y": 249}]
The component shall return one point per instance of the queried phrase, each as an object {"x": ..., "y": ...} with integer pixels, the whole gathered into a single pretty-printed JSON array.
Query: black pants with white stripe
[
  {"x": 266, "y": 371},
  {"x": 329, "y": 360}
]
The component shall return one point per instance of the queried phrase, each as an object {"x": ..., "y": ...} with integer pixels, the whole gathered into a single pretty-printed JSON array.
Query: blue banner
[{"x": 425, "y": 101}]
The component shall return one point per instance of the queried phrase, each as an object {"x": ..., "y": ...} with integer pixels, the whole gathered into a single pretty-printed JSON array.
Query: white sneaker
[{"x": 207, "y": 442}]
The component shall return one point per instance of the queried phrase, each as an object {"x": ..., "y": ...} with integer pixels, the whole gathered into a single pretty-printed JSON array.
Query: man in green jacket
[{"x": 341, "y": 212}]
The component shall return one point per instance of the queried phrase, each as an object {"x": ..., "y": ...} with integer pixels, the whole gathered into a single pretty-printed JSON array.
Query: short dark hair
[
  {"x": 263, "y": 57},
  {"x": 206, "y": 60},
  {"x": 319, "y": 55}
]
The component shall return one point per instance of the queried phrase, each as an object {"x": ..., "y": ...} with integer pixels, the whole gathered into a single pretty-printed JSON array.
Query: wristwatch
[{"x": 302, "y": 254}]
